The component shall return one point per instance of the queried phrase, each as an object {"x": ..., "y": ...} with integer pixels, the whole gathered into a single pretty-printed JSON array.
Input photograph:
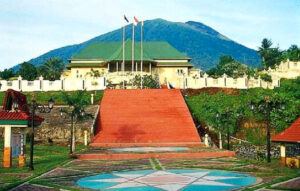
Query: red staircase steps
[{"x": 144, "y": 117}]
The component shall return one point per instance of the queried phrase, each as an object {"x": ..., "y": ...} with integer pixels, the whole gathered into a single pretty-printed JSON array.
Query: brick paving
[
  {"x": 34, "y": 187},
  {"x": 291, "y": 184}
]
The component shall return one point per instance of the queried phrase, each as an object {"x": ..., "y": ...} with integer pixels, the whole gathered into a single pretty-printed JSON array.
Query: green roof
[
  {"x": 174, "y": 64},
  {"x": 85, "y": 65},
  {"x": 114, "y": 51}
]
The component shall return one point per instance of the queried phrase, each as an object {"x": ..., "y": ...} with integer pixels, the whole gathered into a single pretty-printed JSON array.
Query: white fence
[
  {"x": 228, "y": 82},
  {"x": 57, "y": 85},
  {"x": 100, "y": 84}
]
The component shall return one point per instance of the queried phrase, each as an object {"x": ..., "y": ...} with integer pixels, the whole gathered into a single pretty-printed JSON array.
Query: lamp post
[
  {"x": 227, "y": 126},
  {"x": 226, "y": 116},
  {"x": 32, "y": 108},
  {"x": 268, "y": 105},
  {"x": 220, "y": 134}
]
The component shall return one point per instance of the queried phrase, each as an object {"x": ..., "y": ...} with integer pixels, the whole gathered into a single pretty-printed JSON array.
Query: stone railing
[
  {"x": 288, "y": 69},
  {"x": 57, "y": 85},
  {"x": 228, "y": 82}
]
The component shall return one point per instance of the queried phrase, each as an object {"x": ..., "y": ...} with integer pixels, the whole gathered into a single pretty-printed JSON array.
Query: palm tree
[
  {"x": 77, "y": 102},
  {"x": 264, "y": 49},
  {"x": 51, "y": 69}
]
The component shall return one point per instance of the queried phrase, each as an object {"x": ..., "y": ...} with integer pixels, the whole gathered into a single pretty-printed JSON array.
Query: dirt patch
[{"x": 211, "y": 91}]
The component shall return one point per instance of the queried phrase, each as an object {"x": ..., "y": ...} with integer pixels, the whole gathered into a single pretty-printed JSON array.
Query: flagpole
[
  {"x": 123, "y": 63},
  {"x": 132, "y": 47},
  {"x": 142, "y": 23}
]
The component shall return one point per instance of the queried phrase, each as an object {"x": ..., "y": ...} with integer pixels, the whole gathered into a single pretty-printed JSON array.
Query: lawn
[
  {"x": 46, "y": 158},
  {"x": 43, "y": 97}
]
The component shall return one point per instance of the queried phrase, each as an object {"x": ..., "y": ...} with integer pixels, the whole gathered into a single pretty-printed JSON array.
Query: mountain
[{"x": 198, "y": 41}]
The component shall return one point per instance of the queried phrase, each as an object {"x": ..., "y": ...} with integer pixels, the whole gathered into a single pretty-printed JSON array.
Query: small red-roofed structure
[
  {"x": 289, "y": 135},
  {"x": 14, "y": 144}
]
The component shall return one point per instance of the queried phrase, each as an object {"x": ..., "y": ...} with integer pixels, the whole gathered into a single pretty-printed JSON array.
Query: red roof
[
  {"x": 5, "y": 115},
  {"x": 11, "y": 94},
  {"x": 291, "y": 134},
  {"x": 22, "y": 114}
]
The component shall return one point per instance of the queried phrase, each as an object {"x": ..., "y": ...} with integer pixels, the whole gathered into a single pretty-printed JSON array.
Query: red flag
[{"x": 136, "y": 20}]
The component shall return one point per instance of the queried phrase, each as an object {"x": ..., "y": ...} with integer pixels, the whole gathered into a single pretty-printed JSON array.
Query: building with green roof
[{"x": 106, "y": 58}]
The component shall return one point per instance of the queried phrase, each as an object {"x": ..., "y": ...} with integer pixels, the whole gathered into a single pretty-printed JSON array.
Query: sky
[{"x": 29, "y": 28}]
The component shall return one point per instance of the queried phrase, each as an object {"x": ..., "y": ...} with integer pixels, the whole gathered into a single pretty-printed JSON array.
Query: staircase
[{"x": 144, "y": 117}]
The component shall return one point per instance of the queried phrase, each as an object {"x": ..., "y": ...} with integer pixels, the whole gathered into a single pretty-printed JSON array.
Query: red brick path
[{"x": 148, "y": 117}]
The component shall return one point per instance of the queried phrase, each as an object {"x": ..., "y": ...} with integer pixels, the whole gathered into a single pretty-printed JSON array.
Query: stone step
[
  {"x": 125, "y": 156},
  {"x": 145, "y": 117}
]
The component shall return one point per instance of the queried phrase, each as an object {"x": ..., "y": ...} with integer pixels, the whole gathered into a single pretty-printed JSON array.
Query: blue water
[{"x": 121, "y": 180}]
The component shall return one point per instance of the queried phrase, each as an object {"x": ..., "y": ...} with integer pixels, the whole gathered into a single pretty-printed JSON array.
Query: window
[
  {"x": 180, "y": 72},
  {"x": 77, "y": 74},
  {"x": 30, "y": 83},
  {"x": 9, "y": 83}
]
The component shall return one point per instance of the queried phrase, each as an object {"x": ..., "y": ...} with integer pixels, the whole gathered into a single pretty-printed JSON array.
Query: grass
[
  {"x": 46, "y": 158},
  {"x": 43, "y": 97},
  {"x": 156, "y": 164}
]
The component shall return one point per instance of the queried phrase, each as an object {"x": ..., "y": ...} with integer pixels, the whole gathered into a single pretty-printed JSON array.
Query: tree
[
  {"x": 94, "y": 73},
  {"x": 227, "y": 65},
  {"x": 28, "y": 71},
  {"x": 7, "y": 73},
  {"x": 148, "y": 82},
  {"x": 51, "y": 69},
  {"x": 293, "y": 53},
  {"x": 77, "y": 102},
  {"x": 270, "y": 56}
]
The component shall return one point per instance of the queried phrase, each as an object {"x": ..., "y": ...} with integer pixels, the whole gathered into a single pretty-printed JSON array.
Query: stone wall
[
  {"x": 255, "y": 152},
  {"x": 259, "y": 152},
  {"x": 57, "y": 129}
]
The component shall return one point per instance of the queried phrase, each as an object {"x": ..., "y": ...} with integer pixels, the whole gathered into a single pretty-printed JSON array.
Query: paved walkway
[
  {"x": 290, "y": 184},
  {"x": 156, "y": 174}
]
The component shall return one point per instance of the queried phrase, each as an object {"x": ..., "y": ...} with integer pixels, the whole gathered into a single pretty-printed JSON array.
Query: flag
[
  {"x": 136, "y": 20},
  {"x": 126, "y": 19}
]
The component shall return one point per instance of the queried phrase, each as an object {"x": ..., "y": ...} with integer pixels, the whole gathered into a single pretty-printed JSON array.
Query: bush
[{"x": 266, "y": 77}]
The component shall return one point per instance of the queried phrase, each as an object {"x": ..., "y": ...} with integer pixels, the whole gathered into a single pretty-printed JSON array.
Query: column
[
  {"x": 150, "y": 69},
  {"x": 136, "y": 67},
  {"x": 41, "y": 83},
  {"x": 220, "y": 141},
  {"x": 108, "y": 68},
  {"x": 7, "y": 147},
  {"x": 117, "y": 66},
  {"x": 20, "y": 83},
  {"x": 23, "y": 149},
  {"x": 206, "y": 140},
  {"x": 282, "y": 155}
]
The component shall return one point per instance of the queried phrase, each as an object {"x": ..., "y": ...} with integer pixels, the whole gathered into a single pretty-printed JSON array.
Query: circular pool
[{"x": 204, "y": 180}]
